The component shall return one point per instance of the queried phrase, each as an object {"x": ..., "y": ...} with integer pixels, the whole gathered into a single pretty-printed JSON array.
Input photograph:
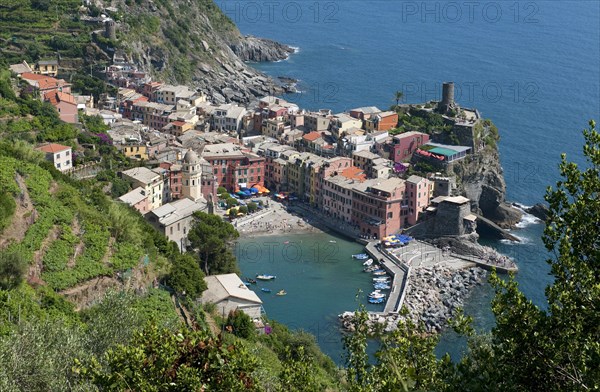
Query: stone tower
[
  {"x": 447, "y": 102},
  {"x": 110, "y": 30},
  {"x": 191, "y": 173}
]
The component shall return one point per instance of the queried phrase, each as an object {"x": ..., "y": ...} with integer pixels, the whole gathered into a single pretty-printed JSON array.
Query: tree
[
  {"x": 252, "y": 207},
  {"x": 221, "y": 190},
  {"x": 186, "y": 276},
  {"x": 240, "y": 324},
  {"x": 160, "y": 360},
  {"x": 398, "y": 97},
  {"x": 558, "y": 349},
  {"x": 210, "y": 237},
  {"x": 12, "y": 269}
]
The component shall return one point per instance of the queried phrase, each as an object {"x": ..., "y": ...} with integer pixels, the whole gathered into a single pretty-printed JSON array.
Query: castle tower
[
  {"x": 447, "y": 102},
  {"x": 110, "y": 30},
  {"x": 191, "y": 173}
]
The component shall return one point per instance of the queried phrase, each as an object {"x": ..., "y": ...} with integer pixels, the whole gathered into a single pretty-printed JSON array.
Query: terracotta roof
[
  {"x": 43, "y": 82},
  {"x": 53, "y": 148},
  {"x": 354, "y": 173},
  {"x": 54, "y": 97},
  {"x": 32, "y": 76},
  {"x": 312, "y": 136},
  {"x": 178, "y": 123}
]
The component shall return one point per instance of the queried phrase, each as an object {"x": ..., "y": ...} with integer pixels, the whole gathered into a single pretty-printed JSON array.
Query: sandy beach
[{"x": 274, "y": 220}]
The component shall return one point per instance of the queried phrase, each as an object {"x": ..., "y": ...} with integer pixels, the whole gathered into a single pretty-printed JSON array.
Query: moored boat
[
  {"x": 381, "y": 286},
  {"x": 376, "y": 300},
  {"x": 281, "y": 292},
  {"x": 368, "y": 262},
  {"x": 265, "y": 277},
  {"x": 382, "y": 279},
  {"x": 379, "y": 272},
  {"x": 251, "y": 281},
  {"x": 376, "y": 294},
  {"x": 266, "y": 290},
  {"x": 360, "y": 256}
]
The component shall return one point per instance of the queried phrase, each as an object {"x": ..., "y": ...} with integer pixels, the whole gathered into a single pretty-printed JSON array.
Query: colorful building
[
  {"x": 377, "y": 206},
  {"x": 405, "y": 144},
  {"x": 59, "y": 155}
]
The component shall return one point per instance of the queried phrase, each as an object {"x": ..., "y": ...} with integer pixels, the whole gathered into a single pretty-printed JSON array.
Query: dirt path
[
  {"x": 76, "y": 230},
  {"x": 25, "y": 215}
]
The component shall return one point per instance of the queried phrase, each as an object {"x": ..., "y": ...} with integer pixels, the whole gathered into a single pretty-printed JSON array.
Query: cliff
[{"x": 177, "y": 41}]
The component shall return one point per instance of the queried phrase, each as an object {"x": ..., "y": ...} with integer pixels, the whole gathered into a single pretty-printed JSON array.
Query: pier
[{"x": 399, "y": 273}]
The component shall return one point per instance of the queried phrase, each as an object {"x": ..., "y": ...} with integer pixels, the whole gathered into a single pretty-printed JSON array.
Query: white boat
[
  {"x": 377, "y": 294},
  {"x": 265, "y": 277},
  {"x": 368, "y": 262},
  {"x": 379, "y": 273},
  {"x": 360, "y": 256},
  {"x": 384, "y": 279}
]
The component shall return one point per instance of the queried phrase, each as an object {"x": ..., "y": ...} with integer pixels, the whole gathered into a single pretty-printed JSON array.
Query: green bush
[{"x": 7, "y": 209}]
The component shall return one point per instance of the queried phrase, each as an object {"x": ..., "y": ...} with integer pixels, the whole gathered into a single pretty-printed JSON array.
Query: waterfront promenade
[{"x": 399, "y": 273}]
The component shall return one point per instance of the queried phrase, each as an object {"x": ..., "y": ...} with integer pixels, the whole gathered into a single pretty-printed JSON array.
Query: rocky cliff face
[
  {"x": 259, "y": 50},
  {"x": 481, "y": 179},
  {"x": 193, "y": 42}
]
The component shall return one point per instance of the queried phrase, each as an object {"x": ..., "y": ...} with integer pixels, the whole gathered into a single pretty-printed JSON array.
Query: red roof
[
  {"x": 354, "y": 173},
  {"x": 53, "y": 148},
  {"x": 179, "y": 123},
  {"x": 312, "y": 136},
  {"x": 54, "y": 97},
  {"x": 44, "y": 82}
]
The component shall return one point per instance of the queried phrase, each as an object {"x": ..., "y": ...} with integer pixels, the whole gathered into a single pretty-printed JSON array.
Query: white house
[
  {"x": 59, "y": 155},
  {"x": 229, "y": 293}
]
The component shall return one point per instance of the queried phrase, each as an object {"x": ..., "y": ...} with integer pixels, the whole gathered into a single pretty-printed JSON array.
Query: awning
[{"x": 470, "y": 218}]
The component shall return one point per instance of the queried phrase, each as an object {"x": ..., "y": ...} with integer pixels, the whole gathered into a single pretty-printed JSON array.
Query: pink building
[
  {"x": 419, "y": 191},
  {"x": 337, "y": 193},
  {"x": 65, "y": 104},
  {"x": 406, "y": 143},
  {"x": 331, "y": 167},
  {"x": 377, "y": 206},
  {"x": 174, "y": 179}
]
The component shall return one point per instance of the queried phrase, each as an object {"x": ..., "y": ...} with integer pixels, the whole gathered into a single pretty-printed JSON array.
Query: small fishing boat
[
  {"x": 381, "y": 286},
  {"x": 384, "y": 279},
  {"x": 379, "y": 272},
  {"x": 371, "y": 268},
  {"x": 376, "y": 294},
  {"x": 376, "y": 300},
  {"x": 368, "y": 262},
  {"x": 265, "y": 277},
  {"x": 360, "y": 256},
  {"x": 251, "y": 281},
  {"x": 281, "y": 292},
  {"x": 266, "y": 290}
]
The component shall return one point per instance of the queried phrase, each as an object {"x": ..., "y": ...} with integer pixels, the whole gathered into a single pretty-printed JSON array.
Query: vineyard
[{"x": 84, "y": 247}]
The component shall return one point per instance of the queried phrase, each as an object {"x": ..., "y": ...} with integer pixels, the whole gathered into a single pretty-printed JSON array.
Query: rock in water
[{"x": 539, "y": 210}]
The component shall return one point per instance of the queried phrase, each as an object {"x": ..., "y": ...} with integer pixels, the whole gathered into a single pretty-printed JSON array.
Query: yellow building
[{"x": 134, "y": 151}]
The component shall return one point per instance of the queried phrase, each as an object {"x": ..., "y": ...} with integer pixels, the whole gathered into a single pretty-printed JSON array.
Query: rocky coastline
[
  {"x": 258, "y": 50},
  {"x": 433, "y": 295}
]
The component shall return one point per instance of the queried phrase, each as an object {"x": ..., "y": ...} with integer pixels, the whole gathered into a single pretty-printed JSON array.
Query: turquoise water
[
  {"x": 320, "y": 277},
  {"x": 530, "y": 66}
]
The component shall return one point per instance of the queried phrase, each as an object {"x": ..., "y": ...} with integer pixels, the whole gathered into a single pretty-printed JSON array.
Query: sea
[{"x": 532, "y": 67}]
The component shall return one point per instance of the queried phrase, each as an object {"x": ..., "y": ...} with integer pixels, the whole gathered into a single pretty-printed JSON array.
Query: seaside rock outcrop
[
  {"x": 257, "y": 49},
  {"x": 539, "y": 210},
  {"x": 481, "y": 179}
]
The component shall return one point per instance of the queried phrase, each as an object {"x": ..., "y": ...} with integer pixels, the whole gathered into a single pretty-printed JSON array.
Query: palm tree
[{"x": 398, "y": 97}]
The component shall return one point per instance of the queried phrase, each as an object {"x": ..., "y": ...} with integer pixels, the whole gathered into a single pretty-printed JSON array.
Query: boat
[
  {"x": 376, "y": 294},
  {"x": 265, "y": 277},
  {"x": 246, "y": 284},
  {"x": 381, "y": 286},
  {"x": 384, "y": 279},
  {"x": 368, "y": 262},
  {"x": 266, "y": 290},
  {"x": 376, "y": 300},
  {"x": 360, "y": 256},
  {"x": 371, "y": 268},
  {"x": 379, "y": 272},
  {"x": 250, "y": 280},
  {"x": 281, "y": 292},
  {"x": 333, "y": 242},
  {"x": 286, "y": 242}
]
